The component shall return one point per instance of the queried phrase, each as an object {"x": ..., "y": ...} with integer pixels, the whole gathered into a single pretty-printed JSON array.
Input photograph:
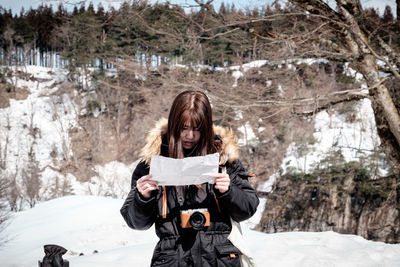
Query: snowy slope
[
  {"x": 40, "y": 121},
  {"x": 41, "y": 124},
  {"x": 88, "y": 223}
]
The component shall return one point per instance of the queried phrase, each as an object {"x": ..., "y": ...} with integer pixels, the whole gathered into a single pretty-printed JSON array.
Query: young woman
[{"x": 192, "y": 222}]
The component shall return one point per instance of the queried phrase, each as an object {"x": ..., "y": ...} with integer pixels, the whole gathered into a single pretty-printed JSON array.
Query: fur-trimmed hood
[{"x": 229, "y": 149}]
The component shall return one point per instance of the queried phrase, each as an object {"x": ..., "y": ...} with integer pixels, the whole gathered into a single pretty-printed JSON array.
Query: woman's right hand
[{"x": 144, "y": 185}]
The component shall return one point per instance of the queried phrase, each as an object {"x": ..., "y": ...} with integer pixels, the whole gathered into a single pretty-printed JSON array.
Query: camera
[{"x": 195, "y": 218}]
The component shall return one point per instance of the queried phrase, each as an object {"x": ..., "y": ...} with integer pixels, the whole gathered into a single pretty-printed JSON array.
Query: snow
[
  {"x": 237, "y": 69},
  {"x": 352, "y": 139},
  {"x": 40, "y": 121},
  {"x": 248, "y": 135},
  {"x": 83, "y": 224},
  {"x": 114, "y": 180},
  {"x": 237, "y": 75},
  {"x": 247, "y": 66}
]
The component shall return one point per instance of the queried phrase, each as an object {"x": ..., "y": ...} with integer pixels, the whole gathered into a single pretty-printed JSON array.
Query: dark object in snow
[{"x": 53, "y": 257}]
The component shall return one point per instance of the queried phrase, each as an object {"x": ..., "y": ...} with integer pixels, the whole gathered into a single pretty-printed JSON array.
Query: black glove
[{"x": 53, "y": 256}]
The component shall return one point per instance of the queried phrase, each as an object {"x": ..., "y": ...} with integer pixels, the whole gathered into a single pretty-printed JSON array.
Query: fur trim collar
[{"x": 229, "y": 149}]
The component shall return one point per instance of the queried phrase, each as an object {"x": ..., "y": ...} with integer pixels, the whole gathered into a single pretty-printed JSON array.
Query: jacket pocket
[
  {"x": 227, "y": 255},
  {"x": 165, "y": 258}
]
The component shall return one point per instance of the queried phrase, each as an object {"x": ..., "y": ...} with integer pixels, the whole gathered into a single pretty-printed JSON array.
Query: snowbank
[{"x": 83, "y": 224}]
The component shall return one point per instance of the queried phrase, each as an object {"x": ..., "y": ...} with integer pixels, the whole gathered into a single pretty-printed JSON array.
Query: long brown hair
[{"x": 193, "y": 107}]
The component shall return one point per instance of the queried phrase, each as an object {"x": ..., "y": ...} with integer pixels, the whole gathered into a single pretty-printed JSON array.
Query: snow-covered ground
[{"x": 83, "y": 224}]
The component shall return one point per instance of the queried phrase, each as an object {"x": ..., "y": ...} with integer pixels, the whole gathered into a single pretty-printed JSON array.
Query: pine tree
[
  {"x": 84, "y": 41},
  {"x": 5, "y": 21},
  {"x": 23, "y": 38},
  {"x": 122, "y": 35},
  {"x": 388, "y": 15}
]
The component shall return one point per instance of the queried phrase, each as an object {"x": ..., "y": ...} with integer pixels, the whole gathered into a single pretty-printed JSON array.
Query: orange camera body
[{"x": 195, "y": 216}]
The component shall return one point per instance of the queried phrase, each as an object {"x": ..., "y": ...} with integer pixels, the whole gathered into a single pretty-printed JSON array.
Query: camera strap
[
  {"x": 164, "y": 202},
  {"x": 179, "y": 195},
  {"x": 223, "y": 170}
]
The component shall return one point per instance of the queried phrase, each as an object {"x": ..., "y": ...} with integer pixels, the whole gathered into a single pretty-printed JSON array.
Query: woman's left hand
[{"x": 222, "y": 181}]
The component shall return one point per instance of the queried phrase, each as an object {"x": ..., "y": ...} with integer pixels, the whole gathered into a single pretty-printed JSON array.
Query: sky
[{"x": 16, "y": 5}]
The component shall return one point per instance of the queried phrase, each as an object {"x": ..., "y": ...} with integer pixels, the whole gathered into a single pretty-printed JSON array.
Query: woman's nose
[{"x": 189, "y": 134}]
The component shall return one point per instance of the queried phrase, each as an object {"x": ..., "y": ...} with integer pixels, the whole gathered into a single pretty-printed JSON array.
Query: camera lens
[{"x": 197, "y": 220}]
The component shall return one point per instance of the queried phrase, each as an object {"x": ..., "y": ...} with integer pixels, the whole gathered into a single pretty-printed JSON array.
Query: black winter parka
[{"x": 185, "y": 246}]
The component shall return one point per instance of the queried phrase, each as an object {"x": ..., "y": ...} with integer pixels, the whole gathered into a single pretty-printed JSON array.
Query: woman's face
[{"x": 190, "y": 136}]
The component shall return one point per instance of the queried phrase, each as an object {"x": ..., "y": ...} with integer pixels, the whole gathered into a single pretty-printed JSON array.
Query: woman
[{"x": 192, "y": 222}]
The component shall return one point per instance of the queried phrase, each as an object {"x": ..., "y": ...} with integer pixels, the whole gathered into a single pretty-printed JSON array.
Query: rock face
[{"x": 345, "y": 203}]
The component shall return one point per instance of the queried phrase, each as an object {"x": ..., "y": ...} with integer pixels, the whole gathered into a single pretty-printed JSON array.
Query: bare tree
[
  {"x": 31, "y": 179},
  {"x": 14, "y": 192},
  {"x": 398, "y": 12},
  {"x": 4, "y": 149},
  {"x": 31, "y": 173},
  {"x": 4, "y": 214},
  {"x": 363, "y": 50}
]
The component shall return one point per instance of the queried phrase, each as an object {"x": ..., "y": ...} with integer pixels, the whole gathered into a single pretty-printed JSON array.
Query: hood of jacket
[{"x": 229, "y": 149}]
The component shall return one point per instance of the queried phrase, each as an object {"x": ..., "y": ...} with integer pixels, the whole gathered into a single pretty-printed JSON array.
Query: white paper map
[{"x": 186, "y": 171}]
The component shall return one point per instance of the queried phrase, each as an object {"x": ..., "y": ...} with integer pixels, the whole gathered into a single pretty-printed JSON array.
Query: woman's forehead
[
  {"x": 188, "y": 124},
  {"x": 191, "y": 119}
]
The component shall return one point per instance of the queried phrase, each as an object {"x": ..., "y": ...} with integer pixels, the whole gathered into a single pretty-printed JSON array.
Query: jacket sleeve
[
  {"x": 241, "y": 200},
  {"x": 138, "y": 212}
]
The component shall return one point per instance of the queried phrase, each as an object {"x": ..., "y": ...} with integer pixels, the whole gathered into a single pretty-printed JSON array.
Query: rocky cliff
[{"x": 345, "y": 201}]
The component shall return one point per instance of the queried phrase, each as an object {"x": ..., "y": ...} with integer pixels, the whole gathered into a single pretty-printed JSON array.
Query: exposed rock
[
  {"x": 7, "y": 92},
  {"x": 346, "y": 203}
]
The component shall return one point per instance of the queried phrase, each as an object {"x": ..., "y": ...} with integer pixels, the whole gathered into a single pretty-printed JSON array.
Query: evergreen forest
[{"x": 164, "y": 33}]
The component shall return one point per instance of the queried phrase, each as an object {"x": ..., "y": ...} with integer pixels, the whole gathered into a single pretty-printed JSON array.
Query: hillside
[{"x": 76, "y": 142}]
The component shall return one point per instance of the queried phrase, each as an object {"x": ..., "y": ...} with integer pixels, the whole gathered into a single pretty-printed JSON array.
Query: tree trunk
[
  {"x": 34, "y": 50},
  {"x": 382, "y": 96},
  {"x": 356, "y": 43},
  {"x": 398, "y": 13}
]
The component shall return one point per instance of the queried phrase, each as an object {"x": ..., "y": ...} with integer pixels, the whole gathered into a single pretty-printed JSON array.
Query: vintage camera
[{"x": 195, "y": 218}]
